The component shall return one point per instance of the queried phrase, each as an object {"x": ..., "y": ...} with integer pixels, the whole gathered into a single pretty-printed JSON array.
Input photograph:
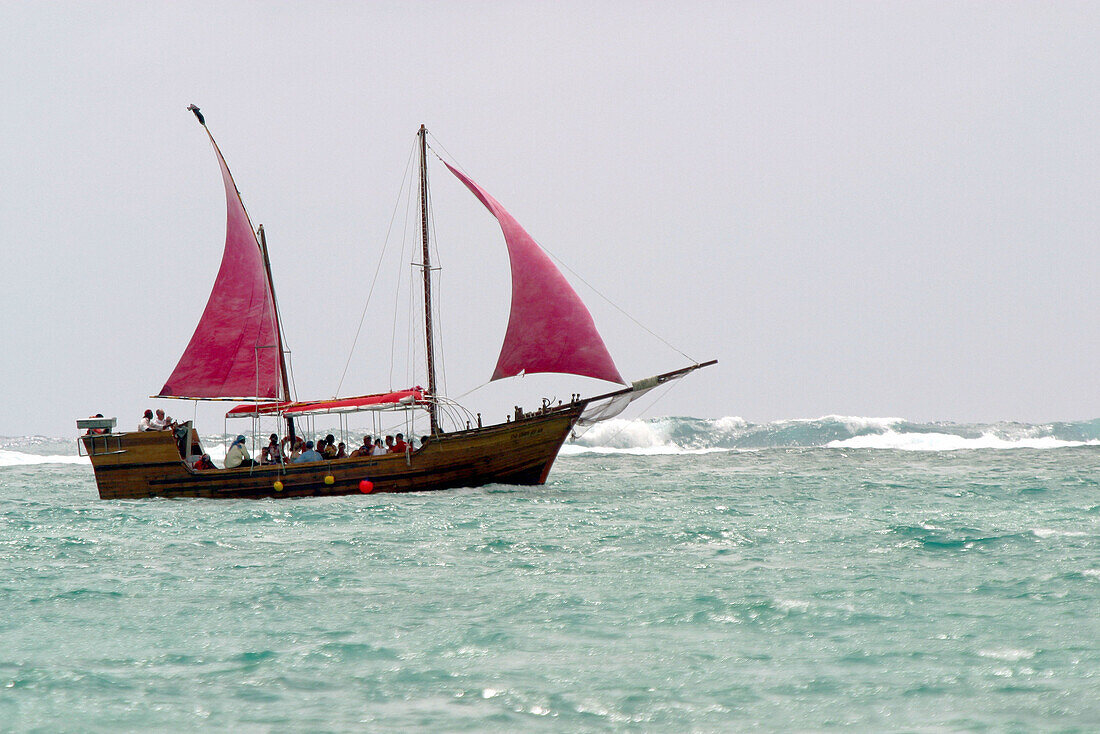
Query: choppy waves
[
  {"x": 697, "y": 435},
  {"x": 35, "y": 450},
  {"x": 677, "y": 435},
  {"x": 20, "y": 458},
  {"x": 43, "y": 450}
]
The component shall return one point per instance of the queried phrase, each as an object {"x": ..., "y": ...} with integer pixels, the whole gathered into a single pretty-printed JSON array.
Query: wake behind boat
[{"x": 237, "y": 353}]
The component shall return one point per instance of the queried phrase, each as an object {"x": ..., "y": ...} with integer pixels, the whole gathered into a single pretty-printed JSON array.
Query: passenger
[
  {"x": 204, "y": 462},
  {"x": 237, "y": 456},
  {"x": 423, "y": 441},
  {"x": 330, "y": 447},
  {"x": 95, "y": 431},
  {"x": 273, "y": 452},
  {"x": 308, "y": 455},
  {"x": 389, "y": 443},
  {"x": 399, "y": 446},
  {"x": 341, "y": 450},
  {"x": 296, "y": 447},
  {"x": 163, "y": 422},
  {"x": 146, "y": 423},
  {"x": 379, "y": 449},
  {"x": 365, "y": 449}
]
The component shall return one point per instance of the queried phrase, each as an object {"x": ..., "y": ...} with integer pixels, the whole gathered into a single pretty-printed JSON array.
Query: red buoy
[{"x": 366, "y": 486}]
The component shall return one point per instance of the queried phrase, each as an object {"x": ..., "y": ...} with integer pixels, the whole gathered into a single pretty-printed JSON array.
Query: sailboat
[{"x": 237, "y": 353}]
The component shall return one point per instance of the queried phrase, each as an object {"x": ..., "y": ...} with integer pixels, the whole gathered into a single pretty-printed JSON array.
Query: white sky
[{"x": 859, "y": 208}]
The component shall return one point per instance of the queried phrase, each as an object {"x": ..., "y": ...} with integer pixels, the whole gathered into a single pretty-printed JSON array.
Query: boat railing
[
  {"x": 99, "y": 438},
  {"x": 100, "y": 444}
]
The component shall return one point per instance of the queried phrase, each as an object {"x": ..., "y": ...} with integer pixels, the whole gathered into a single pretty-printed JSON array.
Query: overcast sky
[{"x": 882, "y": 209}]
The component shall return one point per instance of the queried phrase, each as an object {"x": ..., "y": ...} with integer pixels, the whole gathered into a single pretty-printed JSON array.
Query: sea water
[{"x": 672, "y": 575}]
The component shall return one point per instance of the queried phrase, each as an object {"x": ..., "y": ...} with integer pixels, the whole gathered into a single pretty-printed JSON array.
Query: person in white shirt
[
  {"x": 379, "y": 449},
  {"x": 162, "y": 422},
  {"x": 146, "y": 423}
]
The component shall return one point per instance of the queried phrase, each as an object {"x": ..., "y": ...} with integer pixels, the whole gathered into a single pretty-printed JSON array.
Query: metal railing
[{"x": 100, "y": 444}]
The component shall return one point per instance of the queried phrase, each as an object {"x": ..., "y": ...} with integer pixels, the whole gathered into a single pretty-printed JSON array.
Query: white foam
[
  {"x": 648, "y": 436},
  {"x": 730, "y": 423},
  {"x": 792, "y": 605},
  {"x": 619, "y": 433},
  {"x": 19, "y": 458},
  {"x": 1008, "y": 653},
  {"x": 1051, "y": 533},
  {"x": 573, "y": 449},
  {"x": 215, "y": 451},
  {"x": 854, "y": 423},
  {"x": 949, "y": 442}
]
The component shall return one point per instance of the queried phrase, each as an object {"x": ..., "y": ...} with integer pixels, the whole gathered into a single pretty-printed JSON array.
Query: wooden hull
[{"x": 148, "y": 464}]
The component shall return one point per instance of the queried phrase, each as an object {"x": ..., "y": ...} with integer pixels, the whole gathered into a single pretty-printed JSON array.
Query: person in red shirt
[{"x": 399, "y": 445}]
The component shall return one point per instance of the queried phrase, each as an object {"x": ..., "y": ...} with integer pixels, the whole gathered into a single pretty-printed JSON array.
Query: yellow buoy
[
  {"x": 329, "y": 479},
  {"x": 278, "y": 486}
]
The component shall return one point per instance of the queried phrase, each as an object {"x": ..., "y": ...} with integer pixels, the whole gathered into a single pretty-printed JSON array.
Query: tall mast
[
  {"x": 432, "y": 408},
  {"x": 278, "y": 329}
]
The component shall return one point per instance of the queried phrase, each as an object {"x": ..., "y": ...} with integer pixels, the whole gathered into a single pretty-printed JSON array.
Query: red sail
[
  {"x": 234, "y": 351},
  {"x": 549, "y": 328}
]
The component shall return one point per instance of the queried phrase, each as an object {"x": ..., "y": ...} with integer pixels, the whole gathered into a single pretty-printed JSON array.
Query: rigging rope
[
  {"x": 378, "y": 267},
  {"x": 437, "y": 310},
  {"x": 397, "y": 291},
  {"x": 471, "y": 390},
  {"x": 615, "y": 305},
  {"x": 410, "y": 347}
]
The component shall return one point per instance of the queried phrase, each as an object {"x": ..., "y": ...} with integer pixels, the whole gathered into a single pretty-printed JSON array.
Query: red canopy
[{"x": 379, "y": 401}]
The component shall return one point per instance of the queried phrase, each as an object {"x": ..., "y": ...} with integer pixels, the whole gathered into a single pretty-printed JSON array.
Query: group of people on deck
[
  {"x": 391, "y": 446},
  {"x": 159, "y": 422},
  {"x": 293, "y": 450},
  {"x": 297, "y": 451}
]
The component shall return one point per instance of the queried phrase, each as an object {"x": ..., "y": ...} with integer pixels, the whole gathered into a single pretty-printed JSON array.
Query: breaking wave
[
  {"x": 35, "y": 450},
  {"x": 20, "y": 458},
  {"x": 698, "y": 435},
  {"x": 42, "y": 450}
]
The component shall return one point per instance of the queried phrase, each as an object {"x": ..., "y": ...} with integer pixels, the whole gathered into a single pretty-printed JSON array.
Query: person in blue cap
[
  {"x": 308, "y": 455},
  {"x": 237, "y": 455}
]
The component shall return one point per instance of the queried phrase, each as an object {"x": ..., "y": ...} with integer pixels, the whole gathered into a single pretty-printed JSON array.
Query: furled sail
[
  {"x": 379, "y": 401},
  {"x": 549, "y": 328},
  {"x": 234, "y": 351},
  {"x": 603, "y": 407}
]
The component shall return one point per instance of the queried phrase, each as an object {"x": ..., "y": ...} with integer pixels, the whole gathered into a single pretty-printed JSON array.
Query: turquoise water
[{"x": 645, "y": 589}]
